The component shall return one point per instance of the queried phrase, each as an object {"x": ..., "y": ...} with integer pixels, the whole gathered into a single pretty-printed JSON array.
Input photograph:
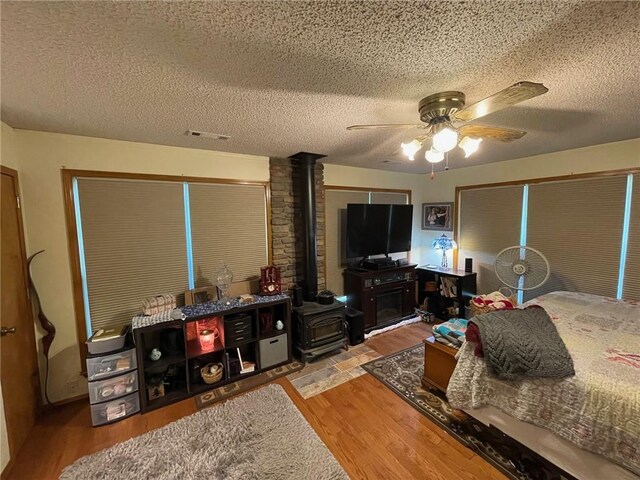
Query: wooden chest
[{"x": 439, "y": 363}]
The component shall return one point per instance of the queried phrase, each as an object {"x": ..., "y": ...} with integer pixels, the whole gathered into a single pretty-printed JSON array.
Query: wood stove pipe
[{"x": 307, "y": 187}]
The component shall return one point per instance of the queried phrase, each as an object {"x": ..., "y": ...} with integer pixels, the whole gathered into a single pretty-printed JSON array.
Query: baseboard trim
[{"x": 51, "y": 406}]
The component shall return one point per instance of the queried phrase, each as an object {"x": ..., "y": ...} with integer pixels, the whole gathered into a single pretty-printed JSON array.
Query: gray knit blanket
[{"x": 523, "y": 343}]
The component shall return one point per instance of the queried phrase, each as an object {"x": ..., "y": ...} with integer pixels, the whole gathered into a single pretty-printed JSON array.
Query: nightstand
[{"x": 439, "y": 363}]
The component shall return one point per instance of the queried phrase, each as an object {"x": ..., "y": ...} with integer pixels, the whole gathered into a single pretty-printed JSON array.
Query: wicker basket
[
  {"x": 209, "y": 377},
  {"x": 477, "y": 310}
]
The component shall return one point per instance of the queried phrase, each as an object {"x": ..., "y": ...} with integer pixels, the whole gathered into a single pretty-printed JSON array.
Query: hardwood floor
[{"x": 372, "y": 432}]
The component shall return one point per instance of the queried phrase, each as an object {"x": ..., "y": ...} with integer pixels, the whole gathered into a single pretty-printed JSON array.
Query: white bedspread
[{"x": 599, "y": 408}]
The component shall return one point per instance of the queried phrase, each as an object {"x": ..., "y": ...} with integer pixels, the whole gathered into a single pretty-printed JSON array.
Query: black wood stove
[{"x": 318, "y": 329}]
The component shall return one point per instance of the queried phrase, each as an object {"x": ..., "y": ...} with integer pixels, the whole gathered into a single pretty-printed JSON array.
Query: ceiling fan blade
[
  {"x": 516, "y": 93},
  {"x": 496, "y": 133},
  {"x": 386, "y": 125}
]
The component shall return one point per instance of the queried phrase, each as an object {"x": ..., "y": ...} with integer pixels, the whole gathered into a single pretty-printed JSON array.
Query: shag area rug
[
  {"x": 219, "y": 394},
  {"x": 259, "y": 435},
  {"x": 402, "y": 373}
]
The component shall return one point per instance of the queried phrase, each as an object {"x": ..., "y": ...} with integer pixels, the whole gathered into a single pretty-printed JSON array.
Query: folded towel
[
  {"x": 159, "y": 303},
  {"x": 167, "y": 316},
  {"x": 447, "y": 340},
  {"x": 453, "y": 330}
]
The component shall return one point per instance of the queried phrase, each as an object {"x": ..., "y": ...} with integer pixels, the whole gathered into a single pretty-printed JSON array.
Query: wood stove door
[{"x": 325, "y": 329}]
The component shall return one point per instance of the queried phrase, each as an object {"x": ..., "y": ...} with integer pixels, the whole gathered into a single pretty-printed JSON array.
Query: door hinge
[{"x": 18, "y": 202}]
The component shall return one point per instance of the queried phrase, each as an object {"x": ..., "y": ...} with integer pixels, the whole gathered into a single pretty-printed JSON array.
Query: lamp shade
[
  {"x": 411, "y": 148},
  {"x": 433, "y": 156},
  {"x": 469, "y": 145},
  {"x": 444, "y": 243},
  {"x": 445, "y": 140}
]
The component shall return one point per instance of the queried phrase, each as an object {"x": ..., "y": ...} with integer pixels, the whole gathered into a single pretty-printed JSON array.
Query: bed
[{"x": 598, "y": 409}]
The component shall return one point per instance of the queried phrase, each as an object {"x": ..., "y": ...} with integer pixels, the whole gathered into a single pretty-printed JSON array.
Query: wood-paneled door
[{"x": 20, "y": 382}]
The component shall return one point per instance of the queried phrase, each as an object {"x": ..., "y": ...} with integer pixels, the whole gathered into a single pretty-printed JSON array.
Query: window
[
  {"x": 584, "y": 226},
  {"x": 577, "y": 225},
  {"x": 489, "y": 221},
  {"x": 139, "y": 237},
  {"x": 228, "y": 223},
  {"x": 630, "y": 266}
]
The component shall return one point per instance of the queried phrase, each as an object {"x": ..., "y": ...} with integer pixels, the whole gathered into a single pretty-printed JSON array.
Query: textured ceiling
[{"x": 281, "y": 77}]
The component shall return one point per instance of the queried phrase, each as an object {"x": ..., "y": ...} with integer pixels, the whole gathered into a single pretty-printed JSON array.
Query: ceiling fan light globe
[
  {"x": 433, "y": 156},
  {"x": 469, "y": 145},
  {"x": 411, "y": 148},
  {"x": 445, "y": 140}
]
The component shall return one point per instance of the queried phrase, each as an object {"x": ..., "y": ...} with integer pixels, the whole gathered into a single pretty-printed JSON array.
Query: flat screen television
[{"x": 374, "y": 229}]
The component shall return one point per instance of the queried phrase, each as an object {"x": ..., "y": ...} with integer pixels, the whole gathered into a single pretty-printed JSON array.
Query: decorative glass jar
[{"x": 224, "y": 278}]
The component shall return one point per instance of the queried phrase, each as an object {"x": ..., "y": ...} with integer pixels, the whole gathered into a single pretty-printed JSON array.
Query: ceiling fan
[{"x": 440, "y": 110}]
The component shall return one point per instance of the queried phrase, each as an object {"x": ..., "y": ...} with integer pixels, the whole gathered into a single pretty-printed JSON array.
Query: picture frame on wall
[
  {"x": 437, "y": 216},
  {"x": 200, "y": 295}
]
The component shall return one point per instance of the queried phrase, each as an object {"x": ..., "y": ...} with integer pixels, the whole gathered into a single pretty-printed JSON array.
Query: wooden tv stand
[{"x": 385, "y": 296}]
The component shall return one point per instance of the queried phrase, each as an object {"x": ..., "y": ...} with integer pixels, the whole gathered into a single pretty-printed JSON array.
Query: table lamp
[{"x": 445, "y": 244}]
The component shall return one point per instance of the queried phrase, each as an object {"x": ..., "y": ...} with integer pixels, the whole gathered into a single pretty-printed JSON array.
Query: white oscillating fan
[{"x": 521, "y": 268}]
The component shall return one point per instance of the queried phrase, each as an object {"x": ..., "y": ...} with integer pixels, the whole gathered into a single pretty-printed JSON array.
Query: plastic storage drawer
[
  {"x": 107, "y": 412},
  {"x": 106, "y": 366},
  {"x": 273, "y": 351},
  {"x": 103, "y": 390}
]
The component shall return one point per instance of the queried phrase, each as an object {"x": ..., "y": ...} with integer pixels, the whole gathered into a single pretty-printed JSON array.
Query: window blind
[
  {"x": 133, "y": 234},
  {"x": 389, "y": 198},
  {"x": 336, "y": 233},
  {"x": 631, "y": 285},
  {"x": 489, "y": 221},
  {"x": 228, "y": 223},
  {"x": 577, "y": 225}
]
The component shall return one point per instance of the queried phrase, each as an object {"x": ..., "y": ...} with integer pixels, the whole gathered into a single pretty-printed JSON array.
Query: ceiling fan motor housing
[{"x": 443, "y": 104}]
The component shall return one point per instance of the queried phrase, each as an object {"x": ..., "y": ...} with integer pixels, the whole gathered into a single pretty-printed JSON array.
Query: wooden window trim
[
  {"x": 358, "y": 189},
  {"x": 557, "y": 178},
  {"x": 72, "y": 231}
]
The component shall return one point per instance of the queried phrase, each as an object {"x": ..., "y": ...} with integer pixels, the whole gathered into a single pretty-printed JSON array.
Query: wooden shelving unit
[
  {"x": 453, "y": 288},
  {"x": 236, "y": 328}
]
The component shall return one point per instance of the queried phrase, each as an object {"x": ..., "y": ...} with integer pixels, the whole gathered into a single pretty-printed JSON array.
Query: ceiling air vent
[{"x": 215, "y": 136}]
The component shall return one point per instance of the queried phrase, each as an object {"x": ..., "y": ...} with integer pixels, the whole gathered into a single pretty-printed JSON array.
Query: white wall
[
  {"x": 39, "y": 158},
  {"x": 43, "y": 155},
  {"x": 597, "y": 158}
]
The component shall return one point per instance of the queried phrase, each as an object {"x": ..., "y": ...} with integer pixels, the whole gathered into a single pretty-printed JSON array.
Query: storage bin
[
  {"x": 107, "y": 366},
  {"x": 273, "y": 351},
  {"x": 112, "y": 388},
  {"x": 110, "y": 345},
  {"x": 107, "y": 412}
]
